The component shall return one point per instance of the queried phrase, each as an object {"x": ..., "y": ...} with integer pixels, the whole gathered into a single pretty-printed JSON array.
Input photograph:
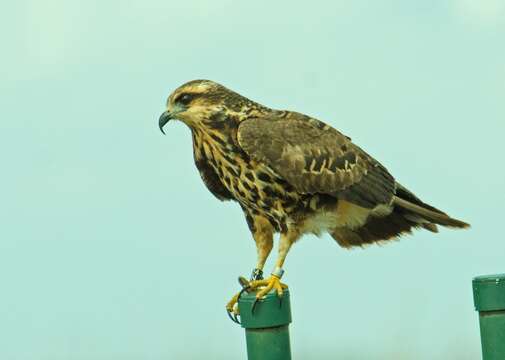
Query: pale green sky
[{"x": 112, "y": 248}]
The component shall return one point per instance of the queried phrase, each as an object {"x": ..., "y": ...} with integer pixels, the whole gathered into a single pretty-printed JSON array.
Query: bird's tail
[
  {"x": 427, "y": 215},
  {"x": 409, "y": 212}
]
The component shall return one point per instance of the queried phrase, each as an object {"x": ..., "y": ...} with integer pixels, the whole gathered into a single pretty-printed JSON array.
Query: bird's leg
[
  {"x": 264, "y": 244},
  {"x": 263, "y": 236},
  {"x": 274, "y": 281}
]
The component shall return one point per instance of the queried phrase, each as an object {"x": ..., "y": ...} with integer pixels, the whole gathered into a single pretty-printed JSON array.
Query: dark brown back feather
[{"x": 315, "y": 158}]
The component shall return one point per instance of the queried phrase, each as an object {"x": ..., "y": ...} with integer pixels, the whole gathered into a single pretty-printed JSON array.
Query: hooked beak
[{"x": 164, "y": 118}]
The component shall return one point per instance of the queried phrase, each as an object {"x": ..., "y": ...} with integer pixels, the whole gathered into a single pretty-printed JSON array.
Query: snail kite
[{"x": 292, "y": 174}]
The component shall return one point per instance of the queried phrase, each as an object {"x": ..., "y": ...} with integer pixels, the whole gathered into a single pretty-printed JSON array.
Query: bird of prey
[{"x": 292, "y": 174}]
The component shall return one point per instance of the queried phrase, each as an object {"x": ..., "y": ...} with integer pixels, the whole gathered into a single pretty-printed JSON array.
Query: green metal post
[
  {"x": 267, "y": 329},
  {"x": 489, "y": 299}
]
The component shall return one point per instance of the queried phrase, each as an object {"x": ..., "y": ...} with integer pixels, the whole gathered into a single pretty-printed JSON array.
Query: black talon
[
  {"x": 244, "y": 289},
  {"x": 254, "y": 305},
  {"x": 233, "y": 318},
  {"x": 280, "y": 302},
  {"x": 236, "y": 319}
]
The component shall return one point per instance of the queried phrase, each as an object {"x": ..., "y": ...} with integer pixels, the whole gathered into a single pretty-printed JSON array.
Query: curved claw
[
  {"x": 231, "y": 313},
  {"x": 232, "y": 318},
  {"x": 245, "y": 289},
  {"x": 235, "y": 316},
  {"x": 254, "y": 305}
]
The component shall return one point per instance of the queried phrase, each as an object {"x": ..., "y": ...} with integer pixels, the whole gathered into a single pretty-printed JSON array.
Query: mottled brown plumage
[{"x": 293, "y": 174}]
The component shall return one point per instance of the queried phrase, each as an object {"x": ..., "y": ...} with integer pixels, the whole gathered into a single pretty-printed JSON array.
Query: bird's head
[
  {"x": 199, "y": 104},
  {"x": 194, "y": 102}
]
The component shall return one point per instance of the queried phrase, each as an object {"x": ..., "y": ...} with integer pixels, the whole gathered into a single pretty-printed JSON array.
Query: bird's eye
[{"x": 185, "y": 99}]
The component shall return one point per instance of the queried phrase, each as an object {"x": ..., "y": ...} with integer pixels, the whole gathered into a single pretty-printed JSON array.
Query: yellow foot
[
  {"x": 262, "y": 287},
  {"x": 232, "y": 307}
]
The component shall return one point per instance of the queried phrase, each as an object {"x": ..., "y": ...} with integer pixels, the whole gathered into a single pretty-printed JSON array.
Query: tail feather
[
  {"x": 430, "y": 227},
  {"x": 432, "y": 215}
]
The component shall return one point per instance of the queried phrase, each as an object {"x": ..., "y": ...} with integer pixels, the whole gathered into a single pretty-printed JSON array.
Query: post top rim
[{"x": 489, "y": 278}]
